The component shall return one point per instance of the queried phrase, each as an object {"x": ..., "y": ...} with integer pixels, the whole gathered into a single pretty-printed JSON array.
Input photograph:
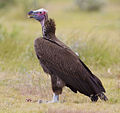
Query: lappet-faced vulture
[{"x": 62, "y": 64}]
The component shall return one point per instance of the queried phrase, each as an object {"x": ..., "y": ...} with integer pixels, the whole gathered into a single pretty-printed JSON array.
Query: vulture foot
[{"x": 54, "y": 100}]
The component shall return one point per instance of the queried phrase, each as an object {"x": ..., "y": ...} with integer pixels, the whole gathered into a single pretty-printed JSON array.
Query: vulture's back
[{"x": 57, "y": 59}]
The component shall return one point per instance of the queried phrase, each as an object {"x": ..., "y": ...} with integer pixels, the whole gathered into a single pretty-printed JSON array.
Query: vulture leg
[
  {"x": 54, "y": 100},
  {"x": 57, "y": 85}
]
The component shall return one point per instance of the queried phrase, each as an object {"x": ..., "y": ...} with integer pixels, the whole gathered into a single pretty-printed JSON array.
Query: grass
[
  {"x": 95, "y": 36},
  {"x": 14, "y": 89}
]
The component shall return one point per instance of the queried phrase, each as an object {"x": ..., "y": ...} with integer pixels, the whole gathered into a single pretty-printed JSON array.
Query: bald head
[{"x": 41, "y": 15}]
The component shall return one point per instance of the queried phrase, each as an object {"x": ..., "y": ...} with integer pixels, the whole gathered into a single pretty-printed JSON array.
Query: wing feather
[{"x": 63, "y": 62}]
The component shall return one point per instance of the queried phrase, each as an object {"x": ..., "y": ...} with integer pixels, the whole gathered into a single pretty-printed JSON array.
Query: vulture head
[{"x": 41, "y": 15}]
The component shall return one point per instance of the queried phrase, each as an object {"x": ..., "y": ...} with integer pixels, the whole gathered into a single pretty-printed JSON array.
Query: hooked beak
[
  {"x": 31, "y": 14},
  {"x": 36, "y": 15}
]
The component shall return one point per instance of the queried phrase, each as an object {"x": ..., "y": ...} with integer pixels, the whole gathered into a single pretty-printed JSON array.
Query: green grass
[{"x": 95, "y": 36}]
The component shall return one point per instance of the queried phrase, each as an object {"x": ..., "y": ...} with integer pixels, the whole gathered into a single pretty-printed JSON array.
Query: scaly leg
[
  {"x": 54, "y": 100},
  {"x": 57, "y": 85}
]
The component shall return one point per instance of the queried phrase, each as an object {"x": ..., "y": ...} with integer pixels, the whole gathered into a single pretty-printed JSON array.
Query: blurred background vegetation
[
  {"x": 94, "y": 24},
  {"x": 89, "y": 27}
]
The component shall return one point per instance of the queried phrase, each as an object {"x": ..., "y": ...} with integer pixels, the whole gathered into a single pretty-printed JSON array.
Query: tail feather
[
  {"x": 102, "y": 96},
  {"x": 98, "y": 83},
  {"x": 100, "y": 89}
]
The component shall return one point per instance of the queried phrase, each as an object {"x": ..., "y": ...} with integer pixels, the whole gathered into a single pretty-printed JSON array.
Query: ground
[{"x": 94, "y": 35}]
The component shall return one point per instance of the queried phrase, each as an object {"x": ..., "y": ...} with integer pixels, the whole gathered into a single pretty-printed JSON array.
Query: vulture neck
[{"x": 48, "y": 29}]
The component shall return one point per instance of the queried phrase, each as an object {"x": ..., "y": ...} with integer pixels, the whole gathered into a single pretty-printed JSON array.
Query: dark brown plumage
[{"x": 65, "y": 67}]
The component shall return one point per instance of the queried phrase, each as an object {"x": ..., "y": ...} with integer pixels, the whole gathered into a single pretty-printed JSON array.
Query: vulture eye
[{"x": 40, "y": 12}]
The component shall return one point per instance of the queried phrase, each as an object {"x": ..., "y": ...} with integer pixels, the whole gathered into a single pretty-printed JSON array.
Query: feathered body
[{"x": 64, "y": 66}]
